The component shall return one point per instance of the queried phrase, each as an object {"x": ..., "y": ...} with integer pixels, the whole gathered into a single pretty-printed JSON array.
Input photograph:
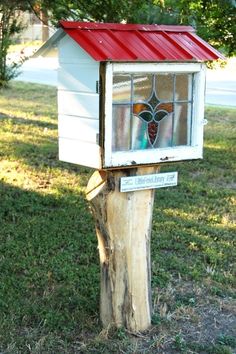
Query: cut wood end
[{"x": 95, "y": 184}]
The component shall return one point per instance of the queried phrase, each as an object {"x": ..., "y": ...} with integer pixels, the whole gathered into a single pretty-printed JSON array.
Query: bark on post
[{"x": 123, "y": 227}]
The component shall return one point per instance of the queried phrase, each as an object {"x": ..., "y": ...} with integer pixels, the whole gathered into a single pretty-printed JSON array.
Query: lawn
[{"x": 49, "y": 266}]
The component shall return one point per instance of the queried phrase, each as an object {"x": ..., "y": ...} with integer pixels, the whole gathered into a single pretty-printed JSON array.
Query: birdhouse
[{"x": 130, "y": 95}]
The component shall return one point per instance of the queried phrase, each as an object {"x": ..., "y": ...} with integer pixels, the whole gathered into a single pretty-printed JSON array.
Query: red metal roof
[{"x": 131, "y": 42}]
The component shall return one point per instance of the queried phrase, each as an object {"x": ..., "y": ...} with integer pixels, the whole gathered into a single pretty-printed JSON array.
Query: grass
[{"x": 49, "y": 267}]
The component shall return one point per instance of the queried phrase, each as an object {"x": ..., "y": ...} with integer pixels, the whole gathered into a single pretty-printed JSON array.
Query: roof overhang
[
  {"x": 134, "y": 42},
  {"x": 49, "y": 47}
]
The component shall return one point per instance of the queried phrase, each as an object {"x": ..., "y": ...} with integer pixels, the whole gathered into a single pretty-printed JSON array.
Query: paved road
[
  {"x": 220, "y": 87},
  {"x": 39, "y": 71}
]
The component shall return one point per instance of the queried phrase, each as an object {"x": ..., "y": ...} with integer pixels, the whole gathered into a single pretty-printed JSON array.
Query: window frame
[{"x": 156, "y": 155}]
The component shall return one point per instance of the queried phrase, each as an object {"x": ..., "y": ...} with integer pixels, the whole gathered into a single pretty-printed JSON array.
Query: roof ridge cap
[{"x": 124, "y": 27}]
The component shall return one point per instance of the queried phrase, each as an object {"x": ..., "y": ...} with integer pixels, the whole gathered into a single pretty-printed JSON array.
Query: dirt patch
[{"x": 196, "y": 320}]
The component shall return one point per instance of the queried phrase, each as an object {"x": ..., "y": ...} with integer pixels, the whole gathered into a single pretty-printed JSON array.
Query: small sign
[{"x": 158, "y": 180}]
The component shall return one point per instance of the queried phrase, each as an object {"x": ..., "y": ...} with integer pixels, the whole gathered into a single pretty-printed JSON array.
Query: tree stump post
[{"x": 123, "y": 226}]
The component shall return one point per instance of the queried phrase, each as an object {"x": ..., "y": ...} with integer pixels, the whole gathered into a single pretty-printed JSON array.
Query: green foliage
[
  {"x": 180, "y": 344},
  {"x": 210, "y": 348},
  {"x": 99, "y": 10},
  {"x": 214, "y": 20},
  {"x": 10, "y": 25},
  {"x": 227, "y": 340}
]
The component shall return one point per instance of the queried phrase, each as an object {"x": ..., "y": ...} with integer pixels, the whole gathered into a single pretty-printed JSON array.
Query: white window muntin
[{"x": 159, "y": 155}]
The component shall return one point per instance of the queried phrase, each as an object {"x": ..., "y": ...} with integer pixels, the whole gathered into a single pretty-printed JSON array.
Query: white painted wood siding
[
  {"x": 79, "y": 152},
  {"x": 80, "y": 77},
  {"x": 78, "y": 105},
  {"x": 71, "y": 52},
  {"x": 79, "y": 128}
]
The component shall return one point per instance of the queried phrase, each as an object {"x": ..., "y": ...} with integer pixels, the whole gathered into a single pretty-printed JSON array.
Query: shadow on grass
[
  {"x": 48, "y": 264},
  {"x": 221, "y": 157},
  {"x": 44, "y": 152},
  {"x": 43, "y": 156}
]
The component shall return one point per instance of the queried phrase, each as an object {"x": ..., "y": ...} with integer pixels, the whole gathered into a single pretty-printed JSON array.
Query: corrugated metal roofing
[{"x": 131, "y": 42}]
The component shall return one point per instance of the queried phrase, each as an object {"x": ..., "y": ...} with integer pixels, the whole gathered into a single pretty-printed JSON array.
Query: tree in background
[
  {"x": 10, "y": 24},
  {"x": 82, "y": 10},
  {"x": 214, "y": 20}
]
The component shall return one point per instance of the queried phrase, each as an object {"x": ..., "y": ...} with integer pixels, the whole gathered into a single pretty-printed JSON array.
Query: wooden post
[{"x": 123, "y": 227}]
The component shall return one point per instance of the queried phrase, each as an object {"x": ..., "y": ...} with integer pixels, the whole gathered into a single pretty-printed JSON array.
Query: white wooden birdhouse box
[{"x": 130, "y": 95}]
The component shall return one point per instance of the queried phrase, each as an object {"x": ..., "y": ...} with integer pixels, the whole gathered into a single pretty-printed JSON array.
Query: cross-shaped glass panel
[{"x": 151, "y": 111}]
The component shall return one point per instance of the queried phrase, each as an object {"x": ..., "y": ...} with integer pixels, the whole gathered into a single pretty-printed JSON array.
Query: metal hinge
[{"x": 97, "y": 87}]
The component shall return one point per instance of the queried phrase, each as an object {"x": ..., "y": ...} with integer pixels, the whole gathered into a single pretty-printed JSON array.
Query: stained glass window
[{"x": 151, "y": 111}]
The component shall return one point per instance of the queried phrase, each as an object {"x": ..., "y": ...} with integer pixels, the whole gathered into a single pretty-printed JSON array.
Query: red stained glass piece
[{"x": 152, "y": 131}]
